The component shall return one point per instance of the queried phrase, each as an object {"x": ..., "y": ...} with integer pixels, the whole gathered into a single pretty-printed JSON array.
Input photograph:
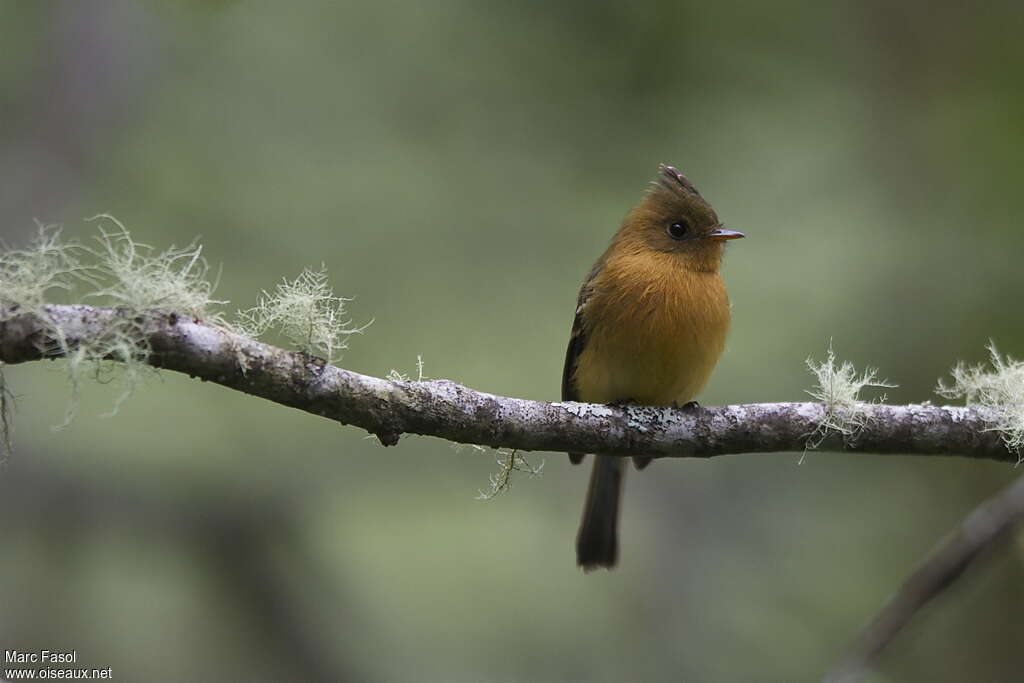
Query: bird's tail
[{"x": 597, "y": 544}]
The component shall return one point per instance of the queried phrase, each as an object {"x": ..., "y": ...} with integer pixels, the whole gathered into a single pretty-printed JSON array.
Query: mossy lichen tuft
[
  {"x": 137, "y": 277},
  {"x": 509, "y": 461},
  {"x": 29, "y": 276},
  {"x": 838, "y": 387},
  {"x": 306, "y": 311},
  {"x": 998, "y": 389},
  {"x": 135, "y": 280}
]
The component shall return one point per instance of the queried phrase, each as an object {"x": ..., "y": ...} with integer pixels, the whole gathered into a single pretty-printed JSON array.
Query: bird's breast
[{"x": 652, "y": 340}]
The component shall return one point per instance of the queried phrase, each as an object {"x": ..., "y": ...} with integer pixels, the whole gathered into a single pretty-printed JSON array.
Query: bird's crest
[{"x": 671, "y": 179}]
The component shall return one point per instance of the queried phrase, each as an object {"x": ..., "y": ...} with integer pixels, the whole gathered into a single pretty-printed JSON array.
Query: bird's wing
[
  {"x": 578, "y": 337},
  {"x": 577, "y": 342}
]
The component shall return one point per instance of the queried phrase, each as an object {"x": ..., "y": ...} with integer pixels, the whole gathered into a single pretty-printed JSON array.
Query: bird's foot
[{"x": 688, "y": 406}]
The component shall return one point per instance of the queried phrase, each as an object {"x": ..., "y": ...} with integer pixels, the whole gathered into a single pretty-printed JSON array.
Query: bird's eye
[{"x": 679, "y": 230}]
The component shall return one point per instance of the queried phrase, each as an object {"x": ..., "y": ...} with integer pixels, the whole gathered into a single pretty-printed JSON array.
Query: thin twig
[{"x": 981, "y": 529}]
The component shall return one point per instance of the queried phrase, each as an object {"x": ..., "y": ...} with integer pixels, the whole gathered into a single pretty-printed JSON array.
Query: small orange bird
[{"x": 650, "y": 324}]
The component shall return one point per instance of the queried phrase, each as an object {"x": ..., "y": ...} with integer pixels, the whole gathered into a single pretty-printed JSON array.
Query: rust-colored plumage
[{"x": 650, "y": 326}]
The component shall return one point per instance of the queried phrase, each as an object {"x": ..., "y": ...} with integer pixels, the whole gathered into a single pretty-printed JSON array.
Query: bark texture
[{"x": 457, "y": 413}]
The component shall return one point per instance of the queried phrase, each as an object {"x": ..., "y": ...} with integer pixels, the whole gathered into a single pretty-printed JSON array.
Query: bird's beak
[{"x": 721, "y": 234}]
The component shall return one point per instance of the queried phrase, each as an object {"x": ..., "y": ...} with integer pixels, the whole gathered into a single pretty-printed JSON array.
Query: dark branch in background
[
  {"x": 450, "y": 411},
  {"x": 447, "y": 410},
  {"x": 987, "y": 524}
]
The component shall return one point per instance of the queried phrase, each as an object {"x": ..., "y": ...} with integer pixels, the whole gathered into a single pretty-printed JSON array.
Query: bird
[{"x": 651, "y": 323}]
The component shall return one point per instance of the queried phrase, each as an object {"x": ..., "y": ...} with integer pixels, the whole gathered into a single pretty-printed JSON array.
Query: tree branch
[
  {"x": 980, "y": 530},
  {"x": 450, "y": 411}
]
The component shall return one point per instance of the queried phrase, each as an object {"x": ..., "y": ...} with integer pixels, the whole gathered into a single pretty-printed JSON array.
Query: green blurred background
[{"x": 458, "y": 166}]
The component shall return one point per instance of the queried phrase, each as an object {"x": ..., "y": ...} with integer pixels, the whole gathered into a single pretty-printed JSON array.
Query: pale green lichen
[
  {"x": 837, "y": 388},
  {"x": 509, "y": 462},
  {"x": 122, "y": 273},
  {"x": 29, "y": 276},
  {"x": 306, "y": 311},
  {"x": 998, "y": 389},
  {"x": 137, "y": 277},
  {"x": 396, "y": 376}
]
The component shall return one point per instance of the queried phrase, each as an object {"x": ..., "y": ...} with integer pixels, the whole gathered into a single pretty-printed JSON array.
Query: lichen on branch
[
  {"x": 29, "y": 275},
  {"x": 998, "y": 389},
  {"x": 131, "y": 280},
  {"x": 837, "y": 388},
  {"x": 306, "y": 312},
  {"x": 315, "y": 320},
  {"x": 459, "y": 414}
]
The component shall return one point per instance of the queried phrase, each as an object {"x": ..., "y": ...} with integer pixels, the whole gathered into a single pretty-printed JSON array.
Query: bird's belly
[{"x": 649, "y": 366}]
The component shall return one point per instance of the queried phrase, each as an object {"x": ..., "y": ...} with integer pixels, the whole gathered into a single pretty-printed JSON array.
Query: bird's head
[{"x": 674, "y": 218}]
